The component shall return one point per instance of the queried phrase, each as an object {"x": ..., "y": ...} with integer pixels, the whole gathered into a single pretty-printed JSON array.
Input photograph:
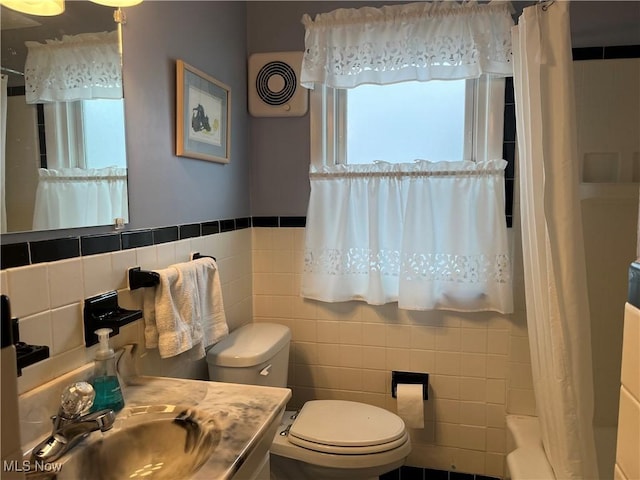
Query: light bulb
[
  {"x": 45, "y": 8},
  {"x": 117, "y": 3}
]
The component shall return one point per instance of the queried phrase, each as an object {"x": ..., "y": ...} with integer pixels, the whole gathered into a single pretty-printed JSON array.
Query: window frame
[{"x": 484, "y": 122}]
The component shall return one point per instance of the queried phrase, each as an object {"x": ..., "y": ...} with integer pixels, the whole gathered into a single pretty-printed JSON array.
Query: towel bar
[
  {"x": 139, "y": 278},
  {"x": 196, "y": 255}
]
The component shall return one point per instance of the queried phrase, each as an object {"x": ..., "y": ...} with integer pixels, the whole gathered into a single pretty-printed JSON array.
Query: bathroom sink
[{"x": 155, "y": 442}]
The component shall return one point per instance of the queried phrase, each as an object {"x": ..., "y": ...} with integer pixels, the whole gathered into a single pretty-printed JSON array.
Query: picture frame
[{"x": 203, "y": 115}]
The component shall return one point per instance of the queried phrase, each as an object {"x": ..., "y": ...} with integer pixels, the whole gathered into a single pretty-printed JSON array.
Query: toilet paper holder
[{"x": 409, "y": 377}]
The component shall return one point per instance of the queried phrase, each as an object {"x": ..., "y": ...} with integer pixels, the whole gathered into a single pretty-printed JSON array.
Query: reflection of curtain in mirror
[
  {"x": 74, "y": 197},
  {"x": 3, "y": 226},
  {"x": 78, "y": 67},
  {"x": 60, "y": 73},
  {"x": 65, "y": 136}
]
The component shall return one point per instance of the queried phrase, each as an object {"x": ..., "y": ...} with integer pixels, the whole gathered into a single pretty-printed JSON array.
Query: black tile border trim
[
  {"x": 189, "y": 231},
  {"x": 54, "y": 250},
  {"x": 227, "y": 225},
  {"x": 293, "y": 222},
  {"x": 14, "y": 255},
  {"x": 210, "y": 228},
  {"x": 606, "y": 53},
  {"x": 136, "y": 239},
  {"x": 20, "y": 254},
  {"x": 244, "y": 222},
  {"x": 95, "y": 244},
  {"x": 265, "y": 221},
  {"x": 165, "y": 235}
]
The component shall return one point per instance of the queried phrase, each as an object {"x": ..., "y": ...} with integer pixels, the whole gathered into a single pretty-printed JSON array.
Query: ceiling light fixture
[
  {"x": 45, "y": 8},
  {"x": 117, "y": 3}
]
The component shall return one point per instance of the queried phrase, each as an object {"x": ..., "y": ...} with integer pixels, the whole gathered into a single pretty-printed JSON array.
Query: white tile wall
[
  {"x": 628, "y": 444},
  {"x": 478, "y": 371},
  {"x": 28, "y": 290},
  {"x": 48, "y": 298},
  {"x": 347, "y": 351},
  {"x": 65, "y": 282}
]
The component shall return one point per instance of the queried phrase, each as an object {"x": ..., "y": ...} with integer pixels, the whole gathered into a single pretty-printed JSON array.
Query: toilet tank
[{"x": 255, "y": 354}]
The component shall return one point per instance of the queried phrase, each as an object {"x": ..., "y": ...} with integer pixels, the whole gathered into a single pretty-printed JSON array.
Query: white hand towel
[
  {"x": 185, "y": 310},
  {"x": 213, "y": 319}
]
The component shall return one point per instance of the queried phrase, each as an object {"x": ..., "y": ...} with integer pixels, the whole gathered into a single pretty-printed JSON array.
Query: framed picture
[{"x": 203, "y": 115}]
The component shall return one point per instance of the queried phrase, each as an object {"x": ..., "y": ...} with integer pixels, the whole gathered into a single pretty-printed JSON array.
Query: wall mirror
[{"x": 64, "y": 159}]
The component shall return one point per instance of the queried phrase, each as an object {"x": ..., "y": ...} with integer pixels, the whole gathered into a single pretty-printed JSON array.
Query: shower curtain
[{"x": 554, "y": 264}]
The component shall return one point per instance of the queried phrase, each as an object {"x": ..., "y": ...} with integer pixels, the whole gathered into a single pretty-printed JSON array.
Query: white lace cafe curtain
[
  {"x": 76, "y": 197},
  {"x": 77, "y": 67},
  {"x": 427, "y": 235},
  {"x": 440, "y": 40}
]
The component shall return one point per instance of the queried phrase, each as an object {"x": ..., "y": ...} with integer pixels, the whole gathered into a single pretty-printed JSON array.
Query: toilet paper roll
[{"x": 411, "y": 404}]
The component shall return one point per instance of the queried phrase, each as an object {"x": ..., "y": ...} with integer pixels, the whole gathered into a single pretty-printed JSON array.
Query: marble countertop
[{"x": 243, "y": 413}]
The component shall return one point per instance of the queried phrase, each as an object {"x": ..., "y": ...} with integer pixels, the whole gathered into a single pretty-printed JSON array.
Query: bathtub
[{"x": 527, "y": 460}]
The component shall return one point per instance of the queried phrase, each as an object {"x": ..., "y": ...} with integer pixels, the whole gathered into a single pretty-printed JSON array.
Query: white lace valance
[
  {"x": 78, "y": 67},
  {"x": 440, "y": 40}
]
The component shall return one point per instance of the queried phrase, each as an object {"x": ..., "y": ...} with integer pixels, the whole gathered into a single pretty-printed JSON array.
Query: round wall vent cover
[
  {"x": 276, "y": 83},
  {"x": 274, "y": 89}
]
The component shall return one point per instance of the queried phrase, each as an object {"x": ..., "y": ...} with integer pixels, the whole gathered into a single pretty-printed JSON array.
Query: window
[
  {"x": 450, "y": 120},
  {"x": 84, "y": 134},
  {"x": 104, "y": 133},
  {"x": 424, "y": 233}
]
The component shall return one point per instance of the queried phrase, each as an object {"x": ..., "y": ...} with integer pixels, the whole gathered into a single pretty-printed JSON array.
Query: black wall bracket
[
  {"x": 102, "y": 311},
  {"x": 25, "y": 354},
  {"x": 411, "y": 378}
]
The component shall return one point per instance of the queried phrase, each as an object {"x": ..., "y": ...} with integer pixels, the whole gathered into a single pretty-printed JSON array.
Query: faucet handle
[{"x": 76, "y": 398}]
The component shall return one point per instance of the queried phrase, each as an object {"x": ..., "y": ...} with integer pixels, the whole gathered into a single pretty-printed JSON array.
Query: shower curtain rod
[{"x": 11, "y": 70}]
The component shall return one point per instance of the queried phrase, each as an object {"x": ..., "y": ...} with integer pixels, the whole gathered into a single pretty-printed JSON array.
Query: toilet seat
[
  {"x": 389, "y": 456},
  {"x": 321, "y": 448},
  {"x": 346, "y": 428}
]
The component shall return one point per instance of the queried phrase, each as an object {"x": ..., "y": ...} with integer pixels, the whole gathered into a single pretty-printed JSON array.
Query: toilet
[{"x": 325, "y": 438}]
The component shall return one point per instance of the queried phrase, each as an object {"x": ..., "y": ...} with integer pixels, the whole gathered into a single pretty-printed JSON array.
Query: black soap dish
[
  {"x": 103, "y": 311},
  {"x": 25, "y": 354},
  {"x": 29, "y": 354}
]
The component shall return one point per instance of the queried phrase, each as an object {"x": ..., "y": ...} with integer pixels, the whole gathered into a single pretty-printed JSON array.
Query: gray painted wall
[{"x": 165, "y": 189}]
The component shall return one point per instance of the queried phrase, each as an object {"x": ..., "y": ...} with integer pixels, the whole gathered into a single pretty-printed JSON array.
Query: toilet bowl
[
  {"x": 338, "y": 439},
  {"x": 326, "y": 438}
]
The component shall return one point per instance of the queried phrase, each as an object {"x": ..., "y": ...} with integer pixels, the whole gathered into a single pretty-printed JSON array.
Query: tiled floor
[{"x": 416, "y": 473}]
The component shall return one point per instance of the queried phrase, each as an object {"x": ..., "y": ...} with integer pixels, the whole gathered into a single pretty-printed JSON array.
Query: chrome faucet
[{"x": 70, "y": 426}]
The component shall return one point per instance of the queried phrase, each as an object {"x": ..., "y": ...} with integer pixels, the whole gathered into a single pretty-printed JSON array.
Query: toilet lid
[{"x": 324, "y": 425}]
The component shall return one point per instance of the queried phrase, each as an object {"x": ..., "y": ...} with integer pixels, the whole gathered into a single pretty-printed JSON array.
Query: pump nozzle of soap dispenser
[{"x": 104, "y": 351}]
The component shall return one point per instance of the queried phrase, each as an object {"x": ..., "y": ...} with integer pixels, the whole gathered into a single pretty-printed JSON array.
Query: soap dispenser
[{"x": 105, "y": 379}]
